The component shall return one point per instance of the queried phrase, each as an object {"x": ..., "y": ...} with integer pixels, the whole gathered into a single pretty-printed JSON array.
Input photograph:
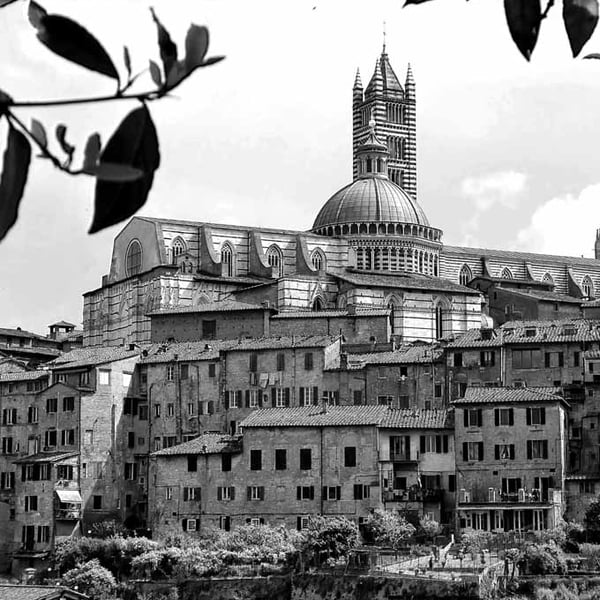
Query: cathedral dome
[{"x": 370, "y": 200}]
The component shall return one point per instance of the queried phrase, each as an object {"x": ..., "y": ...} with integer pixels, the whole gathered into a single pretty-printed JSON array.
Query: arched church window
[
  {"x": 506, "y": 273},
  {"x": 465, "y": 275},
  {"x": 317, "y": 304},
  {"x": 177, "y": 249},
  {"x": 547, "y": 278},
  {"x": 369, "y": 165},
  {"x": 133, "y": 258},
  {"x": 318, "y": 260},
  {"x": 439, "y": 321},
  {"x": 587, "y": 286},
  {"x": 227, "y": 259},
  {"x": 275, "y": 260}
]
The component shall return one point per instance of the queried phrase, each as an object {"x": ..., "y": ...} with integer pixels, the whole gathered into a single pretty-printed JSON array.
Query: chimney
[{"x": 597, "y": 245}]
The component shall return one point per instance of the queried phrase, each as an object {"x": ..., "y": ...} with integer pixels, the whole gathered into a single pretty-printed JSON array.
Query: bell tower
[{"x": 393, "y": 109}]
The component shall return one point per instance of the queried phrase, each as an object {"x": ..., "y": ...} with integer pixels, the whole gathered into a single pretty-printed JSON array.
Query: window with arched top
[
  {"x": 318, "y": 260},
  {"x": 178, "y": 247},
  {"x": 506, "y": 273},
  {"x": 587, "y": 286},
  {"x": 318, "y": 304},
  {"x": 465, "y": 275},
  {"x": 439, "y": 321},
  {"x": 547, "y": 278},
  {"x": 227, "y": 260},
  {"x": 133, "y": 258},
  {"x": 275, "y": 260}
]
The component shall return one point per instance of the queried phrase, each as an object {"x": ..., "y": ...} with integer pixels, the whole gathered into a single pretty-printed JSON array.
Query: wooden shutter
[
  {"x": 261, "y": 492},
  {"x": 422, "y": 443},
  {"x": 480, "y": 450},
  {"x": 324, "y": 497},
  {"x": 445, "y": 444},
  {"x": 226, "y": 400},
  {"x": 219, "y": 493},
  {"x": 248, "y": 493},
  {"x": 438, "y": 444},
  {"x": 185, "y": 494},
  {"x": 511, "y": 417},
  {"x": 466, "y": 417},
  {"x": 543, "y": 415},
  {"x": 479, "y": 417},
  {"x": 238, "y": 397},
  {"x": 496, "y": 417},
  {"x": 529, "y": 450},
  {"x": 528, "y": 416},
  {"x": 301, "y": 396},
  {"x": 298, "y": 523},
  {"x": 286, "y": 396},
  {"x": 273, "y": 397},
  {"x": 407, "y": 446},
  {"x": 311, "y": 492},
  {"x": 316, "y": 395},
  {"x": 545, "y": 449},
  {"x": 338, "y": 492},
  {"x": 465, "y": 451},
  {"x": 496, "y": 452},
  {"x": 358, "y": 492},
  {"x": 232, "y": 493},
  {"x": 247, "y": 398},
  {"x": 298, "y": 492}
]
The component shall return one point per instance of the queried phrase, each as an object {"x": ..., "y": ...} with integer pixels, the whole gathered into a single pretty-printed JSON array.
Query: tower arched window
[
  {"x": 506, "y": 273},
  {"x": 547, "y": 278},
  {"x": 318, "y": 260},
  {"x": 227, "y": 260},
  {"x": 318, "y": 304},
  {"x": 439, "y": 321},
  {"x": 275, "y": 260},
  {"x": 587, "y": 286},
  {"x": 465, "y": 275},
  {"x": 177, "y": 249},
  {"x": 133, "y": 258}
]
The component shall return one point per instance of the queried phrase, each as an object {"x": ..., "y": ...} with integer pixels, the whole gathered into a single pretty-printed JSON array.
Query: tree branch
[
  {"x": 142, "y": 97},
  {"x": 548, "y": 7}
]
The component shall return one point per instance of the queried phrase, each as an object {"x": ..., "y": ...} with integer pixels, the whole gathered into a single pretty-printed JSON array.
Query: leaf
[
  {"x": 581, "y": 18},
  {"x": 523, "y": 18},
  {"x": 414, "y": 2},
  {"x": 91, "y": 154},
  {"x": 17, "y": 158},
  {"x": 196, "y": 46},
  {"x": 39, "y": 133},
  {"x": 168, "y": 49},
  {"x": 61, "y": 132},
  {"x": 155, "y": 74},
  {"x": 4, "y": 3},
  {"x": 36, "y": 13},
  {"x": 127, "y": 61},
  {"x": 592, "y": 55},
  {"x": 70, "y": 40},
  {"x": 212, "y": 60},
  {"x": 115, "y": 172},
  {"x": 133, "y": 144},
  {"x": 5, "y": 101}
]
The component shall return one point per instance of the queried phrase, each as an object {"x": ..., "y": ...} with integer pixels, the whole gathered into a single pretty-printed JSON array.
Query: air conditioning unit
[
  {"x": 253, "y": 378},
  {"x": 491, "y": 494},
  {"x": 521, "y": 495}
]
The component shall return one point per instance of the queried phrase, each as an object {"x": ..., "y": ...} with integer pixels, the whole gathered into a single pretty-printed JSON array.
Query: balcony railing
[
  {"x": 496, "y": 497},
  {"x": 67, "y": 514},
  {"x": 400, "y": 457},
  {"x": 421, "y": 495}
]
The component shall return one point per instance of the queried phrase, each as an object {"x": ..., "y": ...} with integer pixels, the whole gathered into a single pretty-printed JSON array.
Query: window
[
  {"x": 253, "y": 363},
  {"x": 255, "y": 460},
  {"x": 280, "y": 397},
  {"x": 275, "y": 260},
  {"x": 143, "y": 412},
  {"x": 169, "y": 441},
  {"x": 68, "y": 404},
  {"x": 191, "y": 409},
  {"x": 225, "y": 462},
  {"x": 308, "y": 395},
  {"x": 350, "y": 456},
  {"x": 168, "y": 493},
  {"x": 225, "y": 493},
  {"x": 131, "y": 471},
  {"x": 209, "y": 331},
  {"x": 170, "y": 409},
  {"x": 439, "y": 322},
  {"x": 434, "y": 443},
  {"x": 472, "y": 417},
  {"x": 133, "y": 259},
  {"x": 503, "y": 416},
  {"x": 7, "y": 480},
  {"x": 504, "y": 452},
  {"x": 465, "y": 275},
  {"x": 305, "y": 492},
  {"x": 255, "y": 492},
  {"x": 67, "y": 437},
  {"x": 385, "y": 400},
  {"x": 157, "y": 410},
  {"x": 170, "y": 372},
  {"x": 32, "y": 414},
  {"x": 253, "y": 398},
  {"x": 9, "y": 416},
  {"x": 472, "y": 451},
  {"x": 97, "y": 502},
  {"x": 103, "y": 377},
  {"x": 308, "y": 361},
  {"x": 527, "y": 359},
  {"x": 587, "y": 286},
  {"x": 280, "y": 459},
  {"x": 31, "y": 503},
  {"x": 487, "y": 358},
  {"x": 50, "y": 437},
  {"x": 587, "y": 487},
  {"x": 7, "y": 445},
  {"x": 331, "y": 398},
  {"x": 84, "y": 379},
  {"x": 88, "y": 437},
  {"x": 357, "y": 397},
  {"x": 192, "y": 462},
  {"x": 458, "y": 359},
  {"x": 361, "y": 492},
  {"x": 280, "y": 361},
  {"x": 437, "y": 390},
  {"x": 227, "y": 255},
  {"x": 51, "y": 405},
  {"x": 191, "y": 494},
  {"x": 212, "y": 370},
  {"x": 318, "y": 260},
  {"x": 305, "y": 459},
  {"x": 536, "y": 416},
  {"x": 537, "y": 449},
  {"x": 65, "y": 472},
  {"x": 332, "y": 492},
  {"x": 554, "y": 359}
]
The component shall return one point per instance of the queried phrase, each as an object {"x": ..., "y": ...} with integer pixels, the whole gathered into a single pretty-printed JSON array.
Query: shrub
[
  {"x": 475, "y": 541},
  {"x": 429, "y": 528},
  {"x": 105, "y": 529},
  {"x": 330, "y": 536},
  {"x": 542, "y": 559},
  {"x": 92, "y": 579},
  {"x": 387, "y": 528}
]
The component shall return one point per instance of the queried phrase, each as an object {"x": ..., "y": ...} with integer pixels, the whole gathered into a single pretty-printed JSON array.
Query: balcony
[
  {"x": 494, "y": 496},
  {"x": 402, "y": 458},
  {"x": 67, "y": 514},
  {"x": 418, "y": 495}
]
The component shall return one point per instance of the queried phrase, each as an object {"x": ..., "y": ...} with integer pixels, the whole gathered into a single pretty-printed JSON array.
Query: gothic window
[
  {"x": 318, "y": 260},
  {"x": 177, "y": 249},
  {"x": 440, "y": 318},
  {"x": 318, "y": 304},
  {"x": 394, "y": 112},
  {"x": 506, "y": 273},
  {"x": 227, "y": 260},
  {"x": 587, "y": 286},
  {"x": 396, "y": 147},
  {"x": 133, "y": 260},
  {"x": 547, "y": 278},
  {"x": 275, "y": 260},
  {"x": 465, "y": 275}
]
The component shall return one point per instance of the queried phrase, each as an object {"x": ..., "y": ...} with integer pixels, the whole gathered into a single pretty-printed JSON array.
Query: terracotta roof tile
[
  {"x": 502, "y": 395},
  {"x": 43, "y": 457},
  {"x": 186, "y": 351},
  {"x": 474, "y": 339},
  {"x": 545, "y": 295},
  {"x": 418, "y": 419},
  {"x": 24, "y": 375},
  {"x": 38, "y": 592},
  {"x": 560, "y": 330},
  {"x": 95, "y": 355},
  {"x": 410, "y": 355},
  {"x": 225, "y": 306},
  {"x": 207, "y": 443},
  {"x": 274, "y": 343}
]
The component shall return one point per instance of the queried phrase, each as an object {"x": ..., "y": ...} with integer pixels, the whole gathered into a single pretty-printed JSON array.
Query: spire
[
  {"x": 376, "y": 84},
  {"x": 357, "y": 81},
  {"x": 410, "y": 81}
]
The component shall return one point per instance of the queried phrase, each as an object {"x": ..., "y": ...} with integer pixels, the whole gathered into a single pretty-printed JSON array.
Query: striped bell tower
[{"x": 393, "y": 108}]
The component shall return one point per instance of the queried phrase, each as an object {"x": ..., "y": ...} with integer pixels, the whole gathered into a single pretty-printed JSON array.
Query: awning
[{"x": 69, "y": 496}]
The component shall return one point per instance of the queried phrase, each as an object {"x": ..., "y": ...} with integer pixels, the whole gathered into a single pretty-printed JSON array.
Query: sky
[{"x": 507, "y": 150}]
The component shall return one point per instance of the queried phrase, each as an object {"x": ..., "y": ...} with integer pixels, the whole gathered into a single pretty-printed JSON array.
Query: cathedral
[{"x": 371, "y": 246}]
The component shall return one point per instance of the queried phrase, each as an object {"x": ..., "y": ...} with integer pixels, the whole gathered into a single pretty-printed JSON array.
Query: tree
[
  {"x": 92, "y": 579},
  {"x": 329, "y": 537},
  {"x": 386, "y": 528},
  {"x": 124, "y": 169},
  {"x": 591, "y": 520},
  {"x": 524, "y": 19},
  {"x": 429, "y": 528},
  {"x": 543, "y": 559}
]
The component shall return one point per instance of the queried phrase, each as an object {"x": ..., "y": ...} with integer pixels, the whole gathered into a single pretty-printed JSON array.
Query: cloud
[
  {"x": 565, "y": 225},
  {"x": 503, "y": 188}
]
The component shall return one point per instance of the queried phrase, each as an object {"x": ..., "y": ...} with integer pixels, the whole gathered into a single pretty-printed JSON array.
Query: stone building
[{"x": 510, "y": 459}]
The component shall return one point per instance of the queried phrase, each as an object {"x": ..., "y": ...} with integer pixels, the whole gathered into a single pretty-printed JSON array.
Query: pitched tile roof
[
  {"x": 224, "y": 306},
  {"x": 43, "y": 457},
  {"x": 274, "y": 343},
  {"x": 360, "y": 312},
  {"x": 544, "y": 295},
  {"x": 95, "y": 355},
  {"x": 502, "y": 395},
  {"x": 30, "y": 351},
  {"x": 24, "y": 375},
  {"x": 404, "y": 355},
  {"x": 22, "y": 333},
  {"x": 591, "y": 303},
  {"x": 62, "y": 324},
  {"x": 560, "y": 330},
  {"x": 38, "y": 592},
  {"x": 418, "y": 419},
  {"x": 313, "y": 416},
  {"x": 401, "y": 280},
  {"x": 207, "y": 443},
  {"x": 591, "y": 354},
  {"x": 186, "y": 351},
  {"x": 473, "y": 339}
]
